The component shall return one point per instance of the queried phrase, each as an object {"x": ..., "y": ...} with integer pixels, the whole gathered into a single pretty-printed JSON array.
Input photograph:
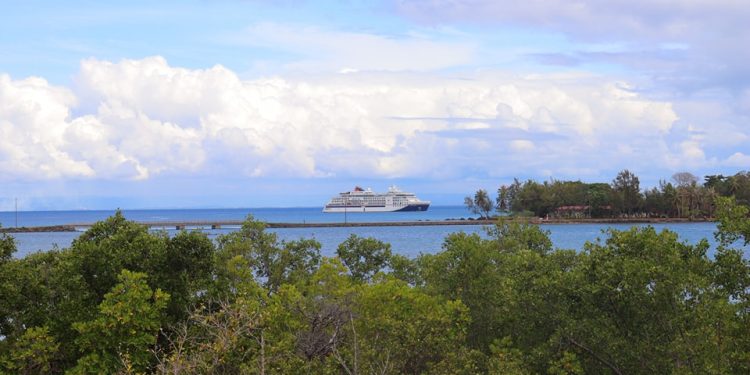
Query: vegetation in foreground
[{"x": 124, "y": 300}]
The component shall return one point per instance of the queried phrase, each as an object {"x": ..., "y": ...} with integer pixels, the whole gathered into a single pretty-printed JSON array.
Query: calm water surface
[
  {"x": 271, "y": 215},
  {"x": 409, "y": 241}
]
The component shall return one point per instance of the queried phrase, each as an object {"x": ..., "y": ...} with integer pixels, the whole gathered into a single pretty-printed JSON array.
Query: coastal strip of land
[
  {"x": 49, "y": 228},
  {"x": 233, "y": 223}
]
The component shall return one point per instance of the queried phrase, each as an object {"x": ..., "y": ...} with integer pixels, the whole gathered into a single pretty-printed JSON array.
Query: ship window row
[
  {"x": 340, "y": 200},
  {"x": 361, "y": 199}
]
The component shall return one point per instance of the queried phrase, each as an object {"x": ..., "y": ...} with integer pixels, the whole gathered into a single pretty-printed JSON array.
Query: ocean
[{"x": 409, "y": 241}]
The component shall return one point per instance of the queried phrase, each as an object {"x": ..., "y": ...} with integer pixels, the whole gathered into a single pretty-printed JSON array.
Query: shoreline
[
  {"x": 40, "y": 229},
  {"x": 217, "y": 225}
]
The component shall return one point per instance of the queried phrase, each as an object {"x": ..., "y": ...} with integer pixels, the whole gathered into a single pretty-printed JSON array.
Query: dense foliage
[
  {"x": 126, "y": 300},
  {"x": 682, "y": 197}
]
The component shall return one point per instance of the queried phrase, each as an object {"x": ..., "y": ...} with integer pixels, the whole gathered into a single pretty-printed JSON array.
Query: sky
[{"x": 199, "y": 104}]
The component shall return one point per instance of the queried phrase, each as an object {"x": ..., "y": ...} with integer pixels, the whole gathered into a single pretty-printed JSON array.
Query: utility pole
[{"x": 16, "y": 212}]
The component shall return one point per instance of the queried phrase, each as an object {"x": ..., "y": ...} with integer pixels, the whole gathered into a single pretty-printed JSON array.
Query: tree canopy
[{"x": 683, "y": 197}]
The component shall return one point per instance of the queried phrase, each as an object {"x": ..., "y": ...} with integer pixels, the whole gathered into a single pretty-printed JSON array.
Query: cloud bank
[
  {"x": 136, "y": 119},
  {"x": 687, "y": 45}
]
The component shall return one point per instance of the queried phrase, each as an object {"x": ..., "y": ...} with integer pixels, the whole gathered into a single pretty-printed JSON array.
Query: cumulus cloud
[
  {"x": 149, "y": 118},
  {"x": 33, "y": 120}
]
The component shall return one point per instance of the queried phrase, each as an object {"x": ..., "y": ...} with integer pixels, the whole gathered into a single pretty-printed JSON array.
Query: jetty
[
  {"x": 234, "y": 224},
  {"x": 213, "y": 224}
]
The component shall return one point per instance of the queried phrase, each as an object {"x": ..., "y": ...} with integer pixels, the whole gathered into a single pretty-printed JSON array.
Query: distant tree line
[
  {"x": 681, "y": 197},
  {"x": 125, "y": 300}
]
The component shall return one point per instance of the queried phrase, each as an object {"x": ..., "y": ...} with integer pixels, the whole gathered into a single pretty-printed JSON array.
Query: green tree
[
  {"x": 401, "y": 330},
  {"x": 504, "y": 198},
  {"x": 109, "y": 246},
  {"x": 481, "y": 204},
  {"x": 466, "y": 270},
  {"x": 627, "y": 187},
  {"x": 505, "y": 359},
  {"x": 33, "y": 353},
  {"x": 716, "y": 181},
  {"x": 732, "y": 277},
  {"x": 272, "y": 263},
  {"x": 181, "y": 265},
  {"x": 514, "y": 286},
  {"x": 734, "y": 223},
  {"x": 567, "y": 364},
  {"x": 530, "y": 198},
  {"x": 660, "y": 201},
  {"x": 405, "y": 269},
  {"x": 740, "y": 184},
  {"x": 646, "y": 303},
  {"x": 125, "y": 329},
  {"x": 327, "y": 333},
  {"x": 7, "y": 247},
  {"x": 364, "y": 257},
  {"x": 512, "y": 195},
  {"x": 599, "y": 199},
  {"x": 44, "y": 290},
  {"x": 254, "y": 334},
  {"x": 512, "y": 236},
  {"x": 688, "y": 194},
  {"x": 669, "y": 198},
  {"x": 184, "y": 271}
]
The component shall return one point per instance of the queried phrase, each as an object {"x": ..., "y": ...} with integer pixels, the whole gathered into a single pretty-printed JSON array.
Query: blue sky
[{"x": 252, "y": 103}]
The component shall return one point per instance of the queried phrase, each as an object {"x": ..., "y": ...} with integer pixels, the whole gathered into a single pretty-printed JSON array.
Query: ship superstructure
[{"x": 365, "y": 200}]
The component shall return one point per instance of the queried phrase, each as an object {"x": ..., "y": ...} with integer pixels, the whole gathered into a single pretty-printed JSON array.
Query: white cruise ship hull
[
  {"x": 361, "y": 200},
  {"x": 355, "y": 209}
]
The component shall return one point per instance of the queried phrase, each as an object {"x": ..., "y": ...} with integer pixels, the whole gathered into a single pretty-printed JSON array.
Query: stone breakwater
[{"x": 51, "y": 228}]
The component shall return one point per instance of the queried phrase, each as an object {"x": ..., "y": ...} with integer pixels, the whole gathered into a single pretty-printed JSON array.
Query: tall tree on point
[
  {"x": 481, "y": 205},
  {"x": 504, "y": 198},
  {"x": 627, "y": 188}
]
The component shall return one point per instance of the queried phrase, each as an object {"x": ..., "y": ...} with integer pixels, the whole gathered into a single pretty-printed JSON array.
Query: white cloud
[
  {"x": 680, "y": 46},
  {"x": 521, "y": 145},
  {"x": 738, "y": 159},
  {"x": 318, "y": 49},
  {"x": 692, "y": 151},
  {"x": 33, "y": 118},
  {"x": 150, "y": 118},
  {"x": 664, "y": 19}
]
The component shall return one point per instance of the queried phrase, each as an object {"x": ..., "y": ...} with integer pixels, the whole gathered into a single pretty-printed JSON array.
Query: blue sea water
[
  {"x": 409, "y": 241},
  {"x": 271, "y": 215}
]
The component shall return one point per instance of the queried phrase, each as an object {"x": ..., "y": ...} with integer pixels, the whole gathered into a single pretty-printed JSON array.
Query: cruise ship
[{"x": 365, "y": 200}]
